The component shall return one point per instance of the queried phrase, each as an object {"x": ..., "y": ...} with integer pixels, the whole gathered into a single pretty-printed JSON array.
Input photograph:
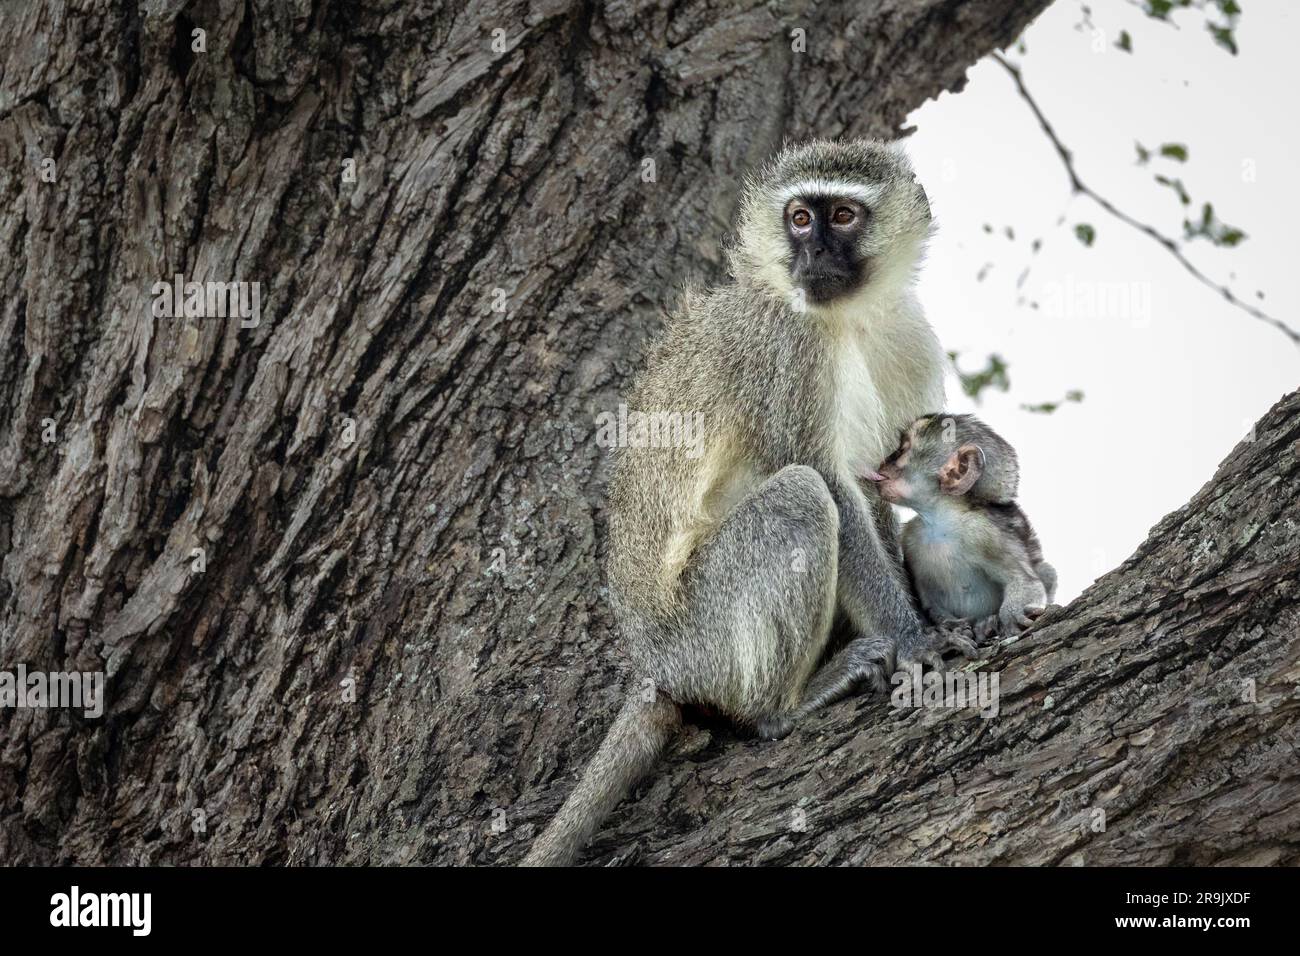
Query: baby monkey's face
[
  {"x": 899, "y": 479},
  {"x": 928, "y": 468}
]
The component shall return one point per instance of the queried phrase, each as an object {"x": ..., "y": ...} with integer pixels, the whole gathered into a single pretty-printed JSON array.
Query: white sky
[{"x": 1175, "y": 382}]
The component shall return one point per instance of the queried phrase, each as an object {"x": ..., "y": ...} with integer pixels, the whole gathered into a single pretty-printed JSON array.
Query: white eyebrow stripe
[{"x": 863, "y": 193}]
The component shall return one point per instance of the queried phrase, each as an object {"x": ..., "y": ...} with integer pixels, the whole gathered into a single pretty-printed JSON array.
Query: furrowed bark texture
[
  {"x": 393, "y": 481},
  {"x": 1155, "y": 720}
]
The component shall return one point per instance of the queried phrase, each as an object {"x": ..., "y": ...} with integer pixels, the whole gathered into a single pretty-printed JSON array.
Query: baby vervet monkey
[{"x": 970, "y": 551}]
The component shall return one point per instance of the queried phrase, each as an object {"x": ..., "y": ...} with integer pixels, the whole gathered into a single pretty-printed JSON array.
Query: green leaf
[
  {"x": 1174, "y": 151},
  {"x": 1223, "y": 37},
  {"x": 1144, "y": 154},
  {"x": 1085, "y": 233},
  {"x": 992, "y": 375},
  {"x": 1211, "y": 227},
  {"x": 1125, "y": 42},
  {"x": 1177, "y": 186},
  {"x": 1046, "y": 408},
  {"x": 1159, "y": 9}
]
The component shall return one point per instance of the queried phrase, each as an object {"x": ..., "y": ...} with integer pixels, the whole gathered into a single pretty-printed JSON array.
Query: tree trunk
[{"x": 342, "y": 568}]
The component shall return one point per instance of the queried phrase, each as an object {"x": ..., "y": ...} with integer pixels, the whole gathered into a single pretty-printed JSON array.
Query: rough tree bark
[
  {"x": 393, "y": 477},
  {"x": 1155, "y": 720}
]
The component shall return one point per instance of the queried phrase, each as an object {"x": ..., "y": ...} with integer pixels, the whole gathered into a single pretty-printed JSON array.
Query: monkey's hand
[
  {"x": 1012, "y": 618},
  {"x": 960, "y": 625},
  {"x": 987, "y": 628},
  {"x": 933, "y": 642}
]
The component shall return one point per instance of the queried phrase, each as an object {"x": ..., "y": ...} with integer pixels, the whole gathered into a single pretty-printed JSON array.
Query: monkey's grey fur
[
  {"x": 727, "y": 568},
  {"x": 971, "y": 553}
]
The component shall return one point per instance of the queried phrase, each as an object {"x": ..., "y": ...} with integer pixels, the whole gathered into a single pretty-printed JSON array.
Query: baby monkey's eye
[
  {"x": 801, "y": 217},
  {"x": 843, "y": 216}
]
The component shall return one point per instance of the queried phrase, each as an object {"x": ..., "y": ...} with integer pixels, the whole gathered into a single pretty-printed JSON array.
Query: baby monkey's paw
[
  {"x": 1010, "y": 621},
  {"x": 961, "y": 627},
  {"x": 1014, "y": 618},
  {"x": 987, "y": 629}
]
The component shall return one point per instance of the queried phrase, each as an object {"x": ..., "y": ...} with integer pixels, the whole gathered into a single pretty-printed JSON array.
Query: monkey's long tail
[{"x": 629, "y": 751}]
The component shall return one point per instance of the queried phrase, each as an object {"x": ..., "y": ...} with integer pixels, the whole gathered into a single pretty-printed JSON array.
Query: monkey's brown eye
[
  {"x": 801, "y": 217},
  {"x": 843, "y": 216}
]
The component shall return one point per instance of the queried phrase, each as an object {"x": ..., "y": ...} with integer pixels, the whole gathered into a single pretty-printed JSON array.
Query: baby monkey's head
[{"x": 942, "y": 459}]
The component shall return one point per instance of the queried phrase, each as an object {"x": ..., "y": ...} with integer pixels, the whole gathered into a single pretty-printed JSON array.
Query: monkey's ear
[{"x": 962, "y": 469}]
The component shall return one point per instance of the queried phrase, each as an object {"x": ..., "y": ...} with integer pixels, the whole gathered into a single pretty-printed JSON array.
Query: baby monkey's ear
[{"x": 963, "y": 468}]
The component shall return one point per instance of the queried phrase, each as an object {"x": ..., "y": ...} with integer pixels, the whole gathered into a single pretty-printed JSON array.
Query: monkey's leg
[
  {"x": 869, "y": 660},
  {"x": 761, "y": 599},
  {"x": 875, "y": 595},
  {"x": 862, "y": 660}
]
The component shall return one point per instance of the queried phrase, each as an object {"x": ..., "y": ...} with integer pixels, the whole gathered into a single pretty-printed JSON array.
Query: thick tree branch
[{"x": 1156, "y": 720}]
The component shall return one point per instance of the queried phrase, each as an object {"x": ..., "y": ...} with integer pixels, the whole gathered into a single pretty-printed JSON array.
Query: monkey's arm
[
  {"x": 936, "y": 613},
  {"x": 1024, "y": 595},
  {"x": 932, "y": 613},
  {"x": 871, "y": 587},
  {"x": 873, "y": 590},
  {"x": 887, "y": 527},
  {"x": 912, "y": 556},
  {"x": 1047, "y": 574}
]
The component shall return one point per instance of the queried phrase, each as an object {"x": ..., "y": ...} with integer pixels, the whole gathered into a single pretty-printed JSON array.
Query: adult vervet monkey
[{"x": 727, "y": 568}]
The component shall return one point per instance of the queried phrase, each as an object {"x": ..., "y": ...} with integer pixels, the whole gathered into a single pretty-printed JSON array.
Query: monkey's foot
[
  {"x": 774, "y": 726},
  {"x": 864, "y": 660}
]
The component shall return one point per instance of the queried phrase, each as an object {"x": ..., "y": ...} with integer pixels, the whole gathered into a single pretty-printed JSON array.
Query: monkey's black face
[{"x": 824, "y": 232}]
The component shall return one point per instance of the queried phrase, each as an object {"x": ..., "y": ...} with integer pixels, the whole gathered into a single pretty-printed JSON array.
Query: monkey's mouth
[
  {"x": 883, "y": 484},
  {"x": 823, "y": 285}
]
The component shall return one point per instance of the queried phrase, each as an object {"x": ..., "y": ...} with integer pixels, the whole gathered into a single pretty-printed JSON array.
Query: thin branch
[{"x": 1079, "y": 186}]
